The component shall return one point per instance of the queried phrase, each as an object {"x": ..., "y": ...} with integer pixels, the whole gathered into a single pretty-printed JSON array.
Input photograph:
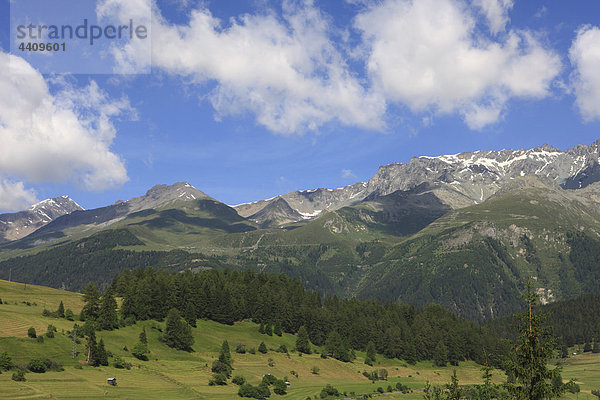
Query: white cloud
[
  {"x": 348, "y": 174},
  {"x": 585, "y": 58},
  {"x": 428, "y": 55},
  {"x": 286, "y": 71},
  {"x": 60, "y": 137},
  {"x": 496, "y": 13},
  {"x": 14, "y": 196}
]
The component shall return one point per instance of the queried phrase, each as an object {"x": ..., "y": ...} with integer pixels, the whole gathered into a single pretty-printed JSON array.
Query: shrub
[
  {"x": 271, "y": 362},
  {"x": 252, "y": 350},
  {"x": 390, "y": 388},
  {"x": 262, "y": 348},
  {"x": 282, "y": 349},
  {"x": 329, "y": 391},
  {"x": 219, "y": 367},
  {"x": 380, "y": 389},
  {"x": 5, "y": 361},
  {"x": 69, "y": 315},
  {"x": 18, "y": 376},
  {"x": 240, "y": 348},
  {"x": 31, "y": 332},
  {"x": 238, "y": 380},
  {"x": 140, "y": 351},
  {"x": 315, "y": 370},
  {"x": 36, "y": 365},
  {"x": 50, "y": 331},
  {"x": 40, "y": 339},
  {"x": 218, "y": 379},
  {"x": 269, "y": 379},
  {"x": 279, "y": 387}
]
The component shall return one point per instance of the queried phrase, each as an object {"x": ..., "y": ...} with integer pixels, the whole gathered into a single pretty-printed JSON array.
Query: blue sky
[{"x": 247, "y": 100}]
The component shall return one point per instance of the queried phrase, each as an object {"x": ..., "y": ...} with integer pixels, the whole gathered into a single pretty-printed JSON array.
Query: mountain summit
[{"x": 14, "y": 226}]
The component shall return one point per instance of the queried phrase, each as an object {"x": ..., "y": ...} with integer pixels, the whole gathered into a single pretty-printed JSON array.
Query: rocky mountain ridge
[
  {"x": 14, "y": 226},
  {"x": 457, "y": 180}
]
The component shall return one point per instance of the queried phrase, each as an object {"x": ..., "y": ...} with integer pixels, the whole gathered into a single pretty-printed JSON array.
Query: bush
[
  {"x": 269, "y": 379},
  {"x": 219, "y": 367},
  {"x": 238, "y": 380},
  {"x": 218, "y": 379},
  {"x": 240, "y": 348},
  {"x": 262, "y": 348},
  {"x": 390, "y": 388},
  {"x": 40, "y": 339},
  {"x": 282, "y": 349},
  {"x": 18, "y": 376},
  {"x": 50, "y": 331},
  {"x": 315, "y": 370},
  {"x": 252, "y": 350},
  {"x": 279, "y": 387},
  {"x": 329, "y": 391},
  {"x": 36, "y": 365},
  {"x": 5, "y": 361},
  {"x": 69, "y": 315},
  {"x": 380, "y": 389},
  {"x": 31, "y": 333},
  {"x": 140, "y": 351}
]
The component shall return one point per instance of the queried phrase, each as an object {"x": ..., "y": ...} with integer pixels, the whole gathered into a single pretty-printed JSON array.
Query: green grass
[{"x": 172, "y": 374}]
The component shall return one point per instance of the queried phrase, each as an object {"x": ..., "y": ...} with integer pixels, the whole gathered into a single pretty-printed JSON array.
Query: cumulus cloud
[
  {"x": 289, "y": 70},
  {"x": 60, "y": 137},
  {"x": 428, "y": 55},
  {"x": 585, "y": 58},
  {"x": 496, "y": 13},
  {"x": 285, "y": 70},
  {"x": 14, "y": 195}
]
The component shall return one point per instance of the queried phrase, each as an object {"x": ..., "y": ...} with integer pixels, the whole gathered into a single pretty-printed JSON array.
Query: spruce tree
[
  {"x": 262, "y": 348},
  {"x": 371, "y": 353},
  {"x": 101, "y": 354},
  {"x": 528, "y": 364},
  {"x": 107, "y": 313},
  {"x": 302, "y": 341},
  {"x": 178, "y": 333},
  {"x": 261, "y": 328},
  {"x": 91, "y": 298},
  {"x": 277, "y": 329},
  {"x": 143, "y": 336},
  {"x": 61, "y": 310},
  {"x": 225, "y": 355},
  {"x": 440, "y": 354},
  {"x": 596, "y": 348},
  {"x": 92, "y": 349}
]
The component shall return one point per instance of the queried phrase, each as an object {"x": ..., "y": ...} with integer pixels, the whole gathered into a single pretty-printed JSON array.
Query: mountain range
[{"x": 464, "y": 230}]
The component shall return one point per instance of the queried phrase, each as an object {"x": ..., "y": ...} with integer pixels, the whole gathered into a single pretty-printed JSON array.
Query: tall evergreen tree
[
  {"x": 101, "y": 353},
  {"x": 178, "y": 333},
  {"x": 225, "y": 354},
  {"x": 529, "y": 360},
  {"x": 302, "y": 341},
  {"x": 371, "y": 353},
  {"x": 440, "y": 354},
  {"x": 143, "y": 336},
  {"x": 92, "y": 349},
  {"x": 107, "y": 313},
  {"x": 91, "y": 299},
  {"x": 61, "y": 310}
]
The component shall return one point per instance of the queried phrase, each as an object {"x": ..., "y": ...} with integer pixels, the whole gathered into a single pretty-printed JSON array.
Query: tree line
[{"x": 396, "y": 330}]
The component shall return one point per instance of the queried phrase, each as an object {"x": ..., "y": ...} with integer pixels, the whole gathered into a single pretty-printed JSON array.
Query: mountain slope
[{"x": 17, "y": 225}]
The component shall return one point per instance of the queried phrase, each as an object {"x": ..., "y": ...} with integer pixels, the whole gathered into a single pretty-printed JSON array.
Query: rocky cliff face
[{"x": 14, "y": 226}]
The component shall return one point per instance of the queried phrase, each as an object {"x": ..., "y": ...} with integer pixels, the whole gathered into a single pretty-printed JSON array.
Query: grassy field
[{"x": 171, "y": 374}]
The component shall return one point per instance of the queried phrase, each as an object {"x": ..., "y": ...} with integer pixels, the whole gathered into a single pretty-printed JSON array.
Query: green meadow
[{"x": 173, "y": 374}]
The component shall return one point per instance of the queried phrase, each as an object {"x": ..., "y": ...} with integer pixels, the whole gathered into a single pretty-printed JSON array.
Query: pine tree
[
  {"x": 277, "y": 329},
  {"x": 92, "y": 350},
  {"x": 262, "y": 348},
  {"x": 302, "y": 341},
  {"x": 454, "y": 392},
  {"x": 587, "y": 347},
  {"x": 269, "y": 329},
  {"x": 529, "y": 362},
  {"x": 101, "y": 354},
  {"x": 189, "y": 314},
  {"x": 225, "y": 355},
  {"x": 261, "y": 328},
  {"x": 371, "y": 353},
  {"x": 107, "y": 313},
  {"x": 178, "y": 333},
  {"x": 91, "y": 298},
  {"x": 440, "y": 354},
  {"x": 61, "y": 310},
  {"x": 143, "y": 336},
  {"x": 596, "y": 348}
]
